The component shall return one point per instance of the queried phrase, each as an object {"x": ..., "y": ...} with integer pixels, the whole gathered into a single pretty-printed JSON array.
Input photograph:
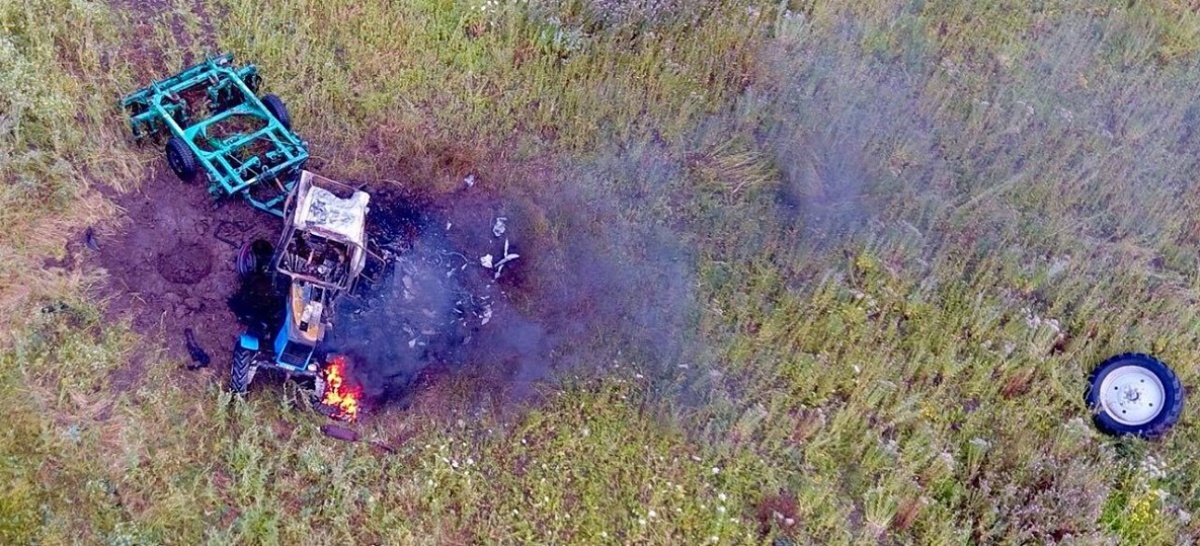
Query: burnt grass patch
[{"x": 428, "y": 311}]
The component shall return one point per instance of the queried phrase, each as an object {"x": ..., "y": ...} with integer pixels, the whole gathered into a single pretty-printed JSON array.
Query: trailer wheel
[
  {"x": 243, "y": 370},
  {"x": 277, "y": 109},
  {"x": 1136, "y": 394},
  {"x": 181, "y": 159}
]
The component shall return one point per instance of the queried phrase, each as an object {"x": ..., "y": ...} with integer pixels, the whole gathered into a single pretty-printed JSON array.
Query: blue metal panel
[
  {"x": 248, "y": 341},
  {"x": 298, "y": 353},
  {"x": 281, "y": 339}
]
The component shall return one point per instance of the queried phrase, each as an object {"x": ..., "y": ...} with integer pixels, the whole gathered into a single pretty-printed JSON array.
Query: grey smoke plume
[
  {"x": 865, "y": 145},
  {"x": 1082, "y": 133},
  {"x": 605, "y": 284}
]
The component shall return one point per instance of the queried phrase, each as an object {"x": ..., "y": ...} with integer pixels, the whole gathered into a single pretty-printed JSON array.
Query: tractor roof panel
[{"x": 322, "y": 211}]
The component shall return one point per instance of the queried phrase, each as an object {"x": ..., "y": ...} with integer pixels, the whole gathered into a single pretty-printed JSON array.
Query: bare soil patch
[{"x": 171, "y": 264}]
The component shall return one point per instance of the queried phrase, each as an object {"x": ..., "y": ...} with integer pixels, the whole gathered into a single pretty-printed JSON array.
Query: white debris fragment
[
  {"x": 508, "y": 256},
  {"x": 487, "y": 315},
  {"x": 489, "y": 262},
  {"x": 498, "y": 227},
  {"x": 412, "y": 343},
  {"x": 500, "y": 264},
  {"x": 469, "y": 180},
  {"x": 448, "y": 224}
]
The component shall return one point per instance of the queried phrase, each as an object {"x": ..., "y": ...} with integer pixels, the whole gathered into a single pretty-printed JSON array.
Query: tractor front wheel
[
  {"x": 243, "y": 370},
  {"x": 1135, "y": 394},
  {"x": 277, "y": 109},
  {"x": 253, "y": 258},
  {"x": 181, "y": 159}
]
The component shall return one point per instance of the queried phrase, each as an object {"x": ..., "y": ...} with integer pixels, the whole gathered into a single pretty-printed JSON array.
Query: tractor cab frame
[{"x": 321, "y": 254}]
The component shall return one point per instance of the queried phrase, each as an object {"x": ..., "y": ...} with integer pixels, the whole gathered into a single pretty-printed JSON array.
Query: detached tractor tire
[
  {"x": 243, "y": 370},
  {"x": 181, "y": 159},
  {"x": 1134, "y": 394},
  {"x": 254, "y": 258},
  {"x": 278, "y": 110}
]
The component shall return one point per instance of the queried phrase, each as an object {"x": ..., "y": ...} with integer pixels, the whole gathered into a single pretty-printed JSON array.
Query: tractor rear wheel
[
  {"x": 277, "y": 109},
  {"x": 243, "y": 370},
  {"x": 181, "y": 159}
]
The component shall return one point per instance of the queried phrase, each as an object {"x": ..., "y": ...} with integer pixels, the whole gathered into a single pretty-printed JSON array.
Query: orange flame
[{"x": 338, "y": 393}]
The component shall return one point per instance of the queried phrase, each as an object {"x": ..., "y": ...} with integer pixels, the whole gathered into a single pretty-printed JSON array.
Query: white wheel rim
[{"x": 1132, "y": 395}]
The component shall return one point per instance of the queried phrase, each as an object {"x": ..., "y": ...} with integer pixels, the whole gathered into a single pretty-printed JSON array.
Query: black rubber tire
[
  {"x": 247, "y": 262},
  {"x": 1160, "y": 423},
  {"x": 254, "y": 257},
  {"x": 243, "y": 370},
  {"x": 275, "y": 106},
  {"x": 181, "y": 159}
]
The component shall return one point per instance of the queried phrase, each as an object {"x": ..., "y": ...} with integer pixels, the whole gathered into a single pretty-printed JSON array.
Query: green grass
[
  {"x": 987, "y": 201},
  {"x": 448, "y": 82}
]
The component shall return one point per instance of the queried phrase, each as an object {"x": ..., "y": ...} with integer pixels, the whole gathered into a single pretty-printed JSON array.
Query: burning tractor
[{"x": 318, "y": 259}]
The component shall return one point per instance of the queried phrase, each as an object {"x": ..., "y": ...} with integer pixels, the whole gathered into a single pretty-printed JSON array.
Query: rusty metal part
[{"x": 339, "y": 433}]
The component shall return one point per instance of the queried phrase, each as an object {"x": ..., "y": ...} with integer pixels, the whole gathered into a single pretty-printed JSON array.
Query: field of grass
[{"x": 896, "y": 235}]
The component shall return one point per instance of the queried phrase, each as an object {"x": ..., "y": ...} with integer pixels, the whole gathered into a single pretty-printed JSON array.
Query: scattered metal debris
[
  {"x": 430, "y": 299},
  {"x": 469, "y": 180},
  {"x": 490, "y": 262},
  {"x": 199, "y": 357},
  {"x": 339, "y": 433},
  {"x": 55, "y": 307},
  {"x": 89, "y": 239},
  {"x": 508, "y": 257}
]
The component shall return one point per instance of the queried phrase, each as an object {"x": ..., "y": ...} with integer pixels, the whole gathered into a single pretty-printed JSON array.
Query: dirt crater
[{"x": 185, "y": 263}]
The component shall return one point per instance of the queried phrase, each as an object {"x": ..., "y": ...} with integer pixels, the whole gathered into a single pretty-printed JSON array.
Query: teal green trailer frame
[{"x": 262, "y": 164}]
